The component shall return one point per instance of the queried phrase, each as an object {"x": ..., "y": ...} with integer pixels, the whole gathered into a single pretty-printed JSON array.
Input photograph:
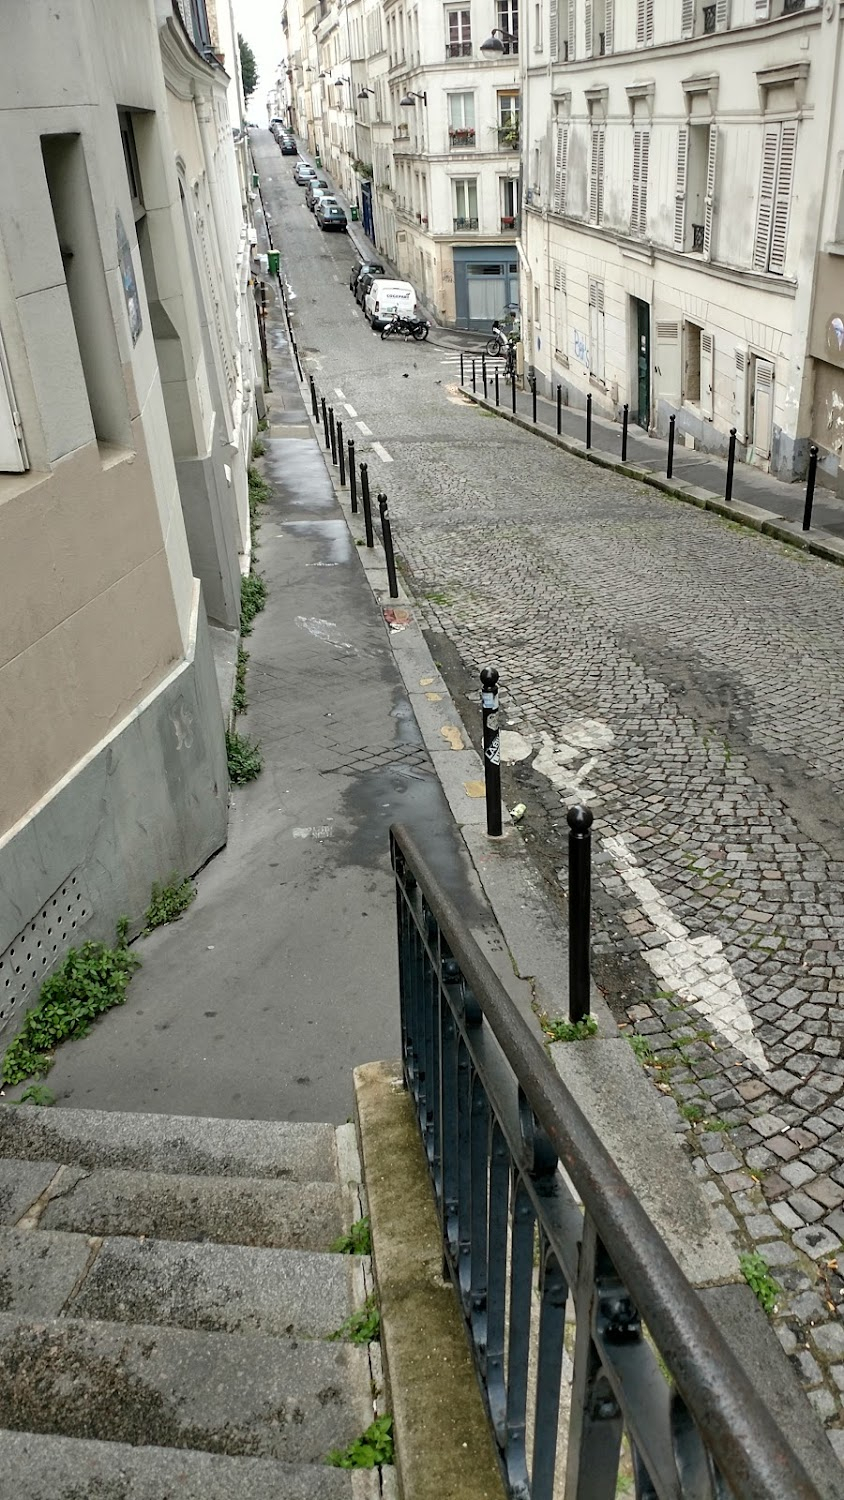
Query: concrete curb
[
  {"x": 741, "y": 511},
  {"x": 444, "y": 1447}
]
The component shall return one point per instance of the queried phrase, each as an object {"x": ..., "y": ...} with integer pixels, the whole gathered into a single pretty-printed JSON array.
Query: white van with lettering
[{"x": 387, "y": 297}]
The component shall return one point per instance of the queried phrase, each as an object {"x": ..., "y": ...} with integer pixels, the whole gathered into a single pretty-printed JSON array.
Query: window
[
  {"x": 509, "y": 109},
  {"x": 644, "y": 23},
  {"x": 779, "y": 148},
  {"x": 12, "y": 454},
  {"x": 704, "y": 17},
  {"x": 508, "y": 21},
  {"x": 691, "y": 371},
  {"x": 560, "y": 313},
  {"x": 458, "y": 33},
  {"x": 595, "y": 13},
  {"x": 694, "y": 194},
  {"x": 465, "y": 203},
  {"x": 639, "y": 209},
  {"x": 537, "y": 308},
  {"x": 596, "y": 329},
  {"x": 461, "y": 120},
  {"x": 509, "y": 204},
  {"x": 596, "y": 175},
  {"x": 561, "y": 156},
  {"x": 537, "y": 27}
]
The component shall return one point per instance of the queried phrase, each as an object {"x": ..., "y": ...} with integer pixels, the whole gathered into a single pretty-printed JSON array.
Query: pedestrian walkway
[{"x": 775, "y": 502}]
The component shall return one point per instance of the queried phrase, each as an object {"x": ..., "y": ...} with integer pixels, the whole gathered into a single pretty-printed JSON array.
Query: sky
[{"x": 259, "y": 22}]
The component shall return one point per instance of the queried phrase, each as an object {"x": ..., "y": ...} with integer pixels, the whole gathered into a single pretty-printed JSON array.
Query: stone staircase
[{"x": 167, "y": 1296}]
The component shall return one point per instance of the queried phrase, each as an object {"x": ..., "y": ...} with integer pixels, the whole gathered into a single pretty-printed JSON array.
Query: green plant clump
[
  {"x": 363, "y": 1326},
  {"x": 169, "y": 902},
  {"x": 570, "y": 1031},
  {"x": 239, "y": 700},
  {"x": 253, "y": 597},
  {"x": 755, "y": 1270},
  {"x": 38, "y": 1094},
  {"x": 642, "y": 1048},
  {"x": 258, "y": 449},
  {"x": 244, "y": 758},
  {"x": 91, "y": 980},
  {"x": 373, "y": 1447},
  {"x": 358, "y": 1241}
]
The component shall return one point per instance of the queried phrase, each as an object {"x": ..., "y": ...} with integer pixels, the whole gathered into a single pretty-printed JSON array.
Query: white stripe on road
[
  {"x": 378, "y": 448},
  {"x": 338, "y": 392},
  {"x": 350, "y": 410},
  {"x": 367, "y": 431}
]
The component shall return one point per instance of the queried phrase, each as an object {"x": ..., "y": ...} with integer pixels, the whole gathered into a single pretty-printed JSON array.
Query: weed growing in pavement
[
  {"x": 263, "y": 424},
  {"x": 373, "y": 1447},
  {"x": 91, "y": 980},
  {"x": 358, "y": 1241},
  {"x": 363, "y": 1326},
  {"x": 169, "y": 902},
  {"x": 641, "y": 1047},
  {"x": 756, "y": 1272},
  {"x": 691, "y": 1112},
  {"x": 258, "y": 449},
  {"x": 38, "y": 1094},
  {"x": 569, "y": 1031},
  {"x": 244, "y": 758},
  {"x": 253, "y": 597},
  {"x": 239, "y": 699}
]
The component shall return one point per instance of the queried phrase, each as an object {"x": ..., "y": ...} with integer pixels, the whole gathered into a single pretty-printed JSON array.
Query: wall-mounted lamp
[
  {"x": 494, "y": 45},
  {"x": 338, "y": 81},
  {"x": 365, "y": 92},
  {"x": 409, "y": 97}
]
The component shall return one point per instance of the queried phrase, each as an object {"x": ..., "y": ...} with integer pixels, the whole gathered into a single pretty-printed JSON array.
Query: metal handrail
[{"x": 614, "y": 1260}]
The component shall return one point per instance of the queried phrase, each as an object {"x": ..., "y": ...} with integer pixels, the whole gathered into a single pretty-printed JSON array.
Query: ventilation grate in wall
[{"x": 44, "y": 941}]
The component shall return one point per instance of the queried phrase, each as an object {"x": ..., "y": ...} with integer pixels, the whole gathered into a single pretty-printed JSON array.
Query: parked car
[
  {"x": 385, "y": 298},
  {"x": 316, "y": 184},
  {"x": 329, "y": 215},
  {"x": 361, "y": 268},
  {"x": 364, "y": 282},
  {"x": 302, "y": 173},
  {"x": 288, "y": 146},
  {"x": 322, "y": 195}
]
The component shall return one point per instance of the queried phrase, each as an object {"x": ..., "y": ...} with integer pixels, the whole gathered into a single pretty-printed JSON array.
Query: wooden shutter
[
  {"x": 12, "y": 453},
  {"x": 687, "y": 18},
  {"x": 649, "y": 23},
  {"x": 668, "y": 365},
  {"x": 782, "y": 197},
  {"x": 765, "y": 206},
  {"x": 596, "y": 329},
  {"x": 609, "y": 26},
  {"x": 680, "y": 188},
  {"x": 763, "y": 408},
  {"x": 643, "y": 182},
  {"x": 593, "y": 176},
  {"x": 553, "y": 30},
  {"x": 761, "y": 10},
  {"x": 707, "y": 375},
  {"x": 571, "y": 53},
  {"x": 709, "y": 201},
  {"x": 640, "y": 23},
  {"x": 740, "y": 395},
  {"x": 560, "y": 311},
  {"x": 561, "y": 168},
  {"x": 722, "y": 15},
  {"x": 637, "y": 170},
  {"x": 587, "y": 27}
]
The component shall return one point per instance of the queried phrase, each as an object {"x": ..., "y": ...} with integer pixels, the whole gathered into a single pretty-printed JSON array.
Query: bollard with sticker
[{"x": 492, "y": 750}]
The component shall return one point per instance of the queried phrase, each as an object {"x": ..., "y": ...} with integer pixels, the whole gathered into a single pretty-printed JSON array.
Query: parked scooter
[{"x": 416, "y": 328}]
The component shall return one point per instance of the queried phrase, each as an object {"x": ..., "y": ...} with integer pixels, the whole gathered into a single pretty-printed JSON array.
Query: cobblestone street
[{"x": 686, "y": 677}]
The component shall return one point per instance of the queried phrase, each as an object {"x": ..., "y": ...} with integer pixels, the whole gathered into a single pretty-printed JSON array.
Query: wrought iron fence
[
  {"x": 464, "y": 223},
  {"x": 520, "y": 1239}
]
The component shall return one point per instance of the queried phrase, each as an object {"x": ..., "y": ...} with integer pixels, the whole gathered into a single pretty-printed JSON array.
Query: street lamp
[
  {"x": 494, "y": 45},
  {"x": 409, "y": 97},
  {"x": 365, "y": 92}
]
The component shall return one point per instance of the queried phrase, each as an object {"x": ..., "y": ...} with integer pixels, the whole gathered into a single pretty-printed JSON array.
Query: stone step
[
  {"x": 185, "y": 1144},
  {"x": 39, "y": 1467},
  {"x": 165, "y": 1206},
  {"x": 238, "y": 1394},
  {"x": 213, "y": 1288}
]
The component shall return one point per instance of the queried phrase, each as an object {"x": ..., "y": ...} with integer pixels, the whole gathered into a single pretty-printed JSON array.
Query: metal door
[{"x": 643, "y": 363}]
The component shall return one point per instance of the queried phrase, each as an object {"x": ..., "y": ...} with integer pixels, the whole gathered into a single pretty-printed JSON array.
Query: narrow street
[{"x": 684, "y": 676}]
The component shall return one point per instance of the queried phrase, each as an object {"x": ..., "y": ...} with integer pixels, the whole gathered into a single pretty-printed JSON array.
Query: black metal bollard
[
  {"x": 341, "y": 454},
  {"x": 483, "y": 372},
  {"x": 624, "y": 419},
  {"x": 353, "y": 478},
  {"x": 670, "y": 469},
  {"x": 559, "y": 411},
  {"x": 580, "y": 877},
  {"x": 513, "y": 389},
  {"x": 589, "y": 420},
  {"x": 810, "y": 487},
  {"x": 492, "y": 750},
  {"x": 325, "y": 422},
  {"x": 474, "y": 387},
  {"x": 332, "y": 434},
  {"x": 497, "y": 392},
  {"x": 533, "y": 398},
  {"x": 367, "y": 505},
  {"x": 731, "y": 463},
  {"x": 389, "y": 554},
  {"x": 314, "y": 399},
  {"x": 462, "y": 377}
]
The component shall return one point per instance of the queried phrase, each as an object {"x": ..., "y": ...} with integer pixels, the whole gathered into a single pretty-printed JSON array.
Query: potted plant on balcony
[
  {"x": 508, "y": 135},
  {"x": 462, "y": 135}
]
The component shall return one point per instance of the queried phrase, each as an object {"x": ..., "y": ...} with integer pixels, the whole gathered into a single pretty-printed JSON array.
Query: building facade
[{"x": 127, "y": 409}]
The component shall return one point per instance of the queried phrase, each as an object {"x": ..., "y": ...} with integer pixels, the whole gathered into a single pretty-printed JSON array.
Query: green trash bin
[
  {"x": 254, "y": 179},
  {"x": 355, "y": 214},
  {"x": 272, "y": 262}
]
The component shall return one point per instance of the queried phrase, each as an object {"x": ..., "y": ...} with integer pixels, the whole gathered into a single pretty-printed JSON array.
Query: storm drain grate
[{"x": 43, "y": 941}]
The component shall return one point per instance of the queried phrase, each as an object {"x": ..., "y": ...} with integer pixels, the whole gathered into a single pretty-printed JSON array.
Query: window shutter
[
  {"x": 559, "y": 277},
  {"x": 782, "y": 196},
  {"x": 600, "y": 178},
  {"x": 763, "y": 408},
  {"x": 667, "y": 364},
  {"x": 587, "y": 23},
  {"x": 12, "y": 454},
  {"x": 637, "y": 170},
  {"x": 709, "y": 201},
  {"x": 762, "y": 10},
  {"x": 740, "y": 395},
  {"x": 765, "y": 206},
  {"x": 680, "y": 189},
  {"x": 571, "y": 53},
  {"x": 640, "y": 23},
  {"x": 609, "y": 26},
  {"x": 560, "y": 168},
  {"x": 593, "y": 177},
  {"x": 707, "y": 375},
  {"x": 649, "y": 23},
  {"x": 687, "y": 18},
  {"x": 643, "y": 183},
  {"x": 722, "y": 15},
  {"x": 553, "y": 30}
]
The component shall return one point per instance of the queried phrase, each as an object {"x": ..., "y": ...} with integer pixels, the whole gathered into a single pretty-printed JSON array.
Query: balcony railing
[
  {"x": 521, "y": 1241},
  {"x": 460, "y": 224},
  {"x": 508, "y": 137},
  {"x": 458, "y": 49},
  {"x": 460, "y": 139},
  {"x": 509, "y": 222},
  {"x": 709, "y": 20}
]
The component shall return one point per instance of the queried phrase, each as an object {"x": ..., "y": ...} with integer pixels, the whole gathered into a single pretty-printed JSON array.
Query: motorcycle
[{"x": 416, "y": 328}]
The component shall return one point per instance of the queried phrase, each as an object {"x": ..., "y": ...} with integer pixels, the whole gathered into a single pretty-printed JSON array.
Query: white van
[{"x": 387, "y": 297}]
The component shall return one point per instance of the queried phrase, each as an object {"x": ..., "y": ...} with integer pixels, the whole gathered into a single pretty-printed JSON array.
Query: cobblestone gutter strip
[{"x": 744, "y": 514}]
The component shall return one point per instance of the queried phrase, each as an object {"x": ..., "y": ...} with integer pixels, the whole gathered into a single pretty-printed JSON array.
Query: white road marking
[
  {"x": 355, "y": 313},
  {"x": 350, "y": 410},
  {"x": 378, "y": 448},
  {"x": 367, "y": 431},
  {"x": 338, "y": 392}
]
